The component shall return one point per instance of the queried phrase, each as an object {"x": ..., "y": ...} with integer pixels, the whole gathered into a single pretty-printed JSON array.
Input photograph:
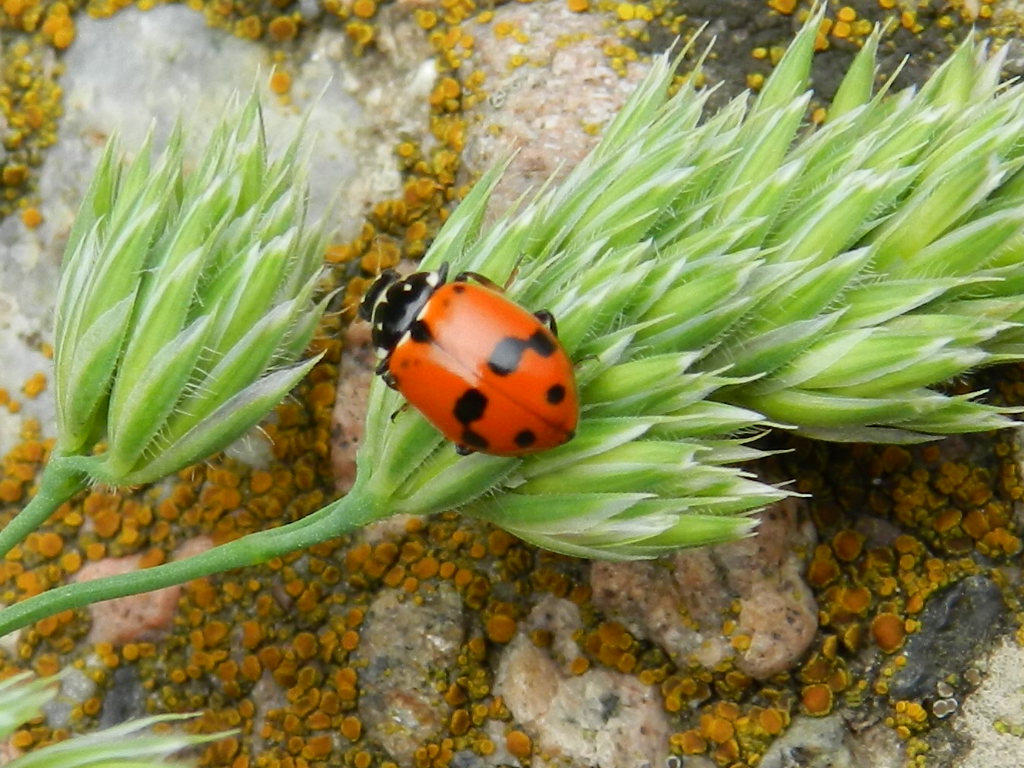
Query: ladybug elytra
[{"x": 488, "y": 374}]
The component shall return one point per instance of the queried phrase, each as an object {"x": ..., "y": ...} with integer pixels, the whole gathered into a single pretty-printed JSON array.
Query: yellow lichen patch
[
  {"x": 34, "y": 385},
  {"x": 364, "y": 9},
  {"x": 30, "y": 98},
  {"x": 58, "y": 26},
  {"x": 283, "y": 28},
  {"x": 910, "y": 717},
  {"x": 280, "y": 82},
  {"x": 31, "y": 217}
]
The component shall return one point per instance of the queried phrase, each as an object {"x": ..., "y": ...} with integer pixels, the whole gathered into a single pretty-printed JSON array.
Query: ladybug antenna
[{"x": 386, "y": 279}]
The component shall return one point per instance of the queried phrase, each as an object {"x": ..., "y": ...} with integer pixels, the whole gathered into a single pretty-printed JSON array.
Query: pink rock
[
  {"x": 547, "y": 108},
  {"x": 683, "y": 608},
  {"x": 8, "y": 752},
  {"x": 355, "y": 374},
  {"x": 127, "y": 619},
  {"x": 598, "y": 718}
]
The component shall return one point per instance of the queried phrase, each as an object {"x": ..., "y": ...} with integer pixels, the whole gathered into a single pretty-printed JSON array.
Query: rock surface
[
  {"x": 684, "y": 608},
  {"x": 598, "y": 718}
]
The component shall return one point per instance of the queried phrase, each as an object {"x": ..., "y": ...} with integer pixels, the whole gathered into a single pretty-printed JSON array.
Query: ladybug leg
[
  {"x": 515, "y": 269},
  {"x": 382, "y": 371},
  {"x": 464, "y": 277},
  {"x": 399, "y": 411},
  {"x": 463, "y": 450},
  {"x": 546, "y": 318}
]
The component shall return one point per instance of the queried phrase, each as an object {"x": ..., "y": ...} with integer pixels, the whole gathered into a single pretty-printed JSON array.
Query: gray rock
[
  {"x": 956, "y": 626},
  {"x": 830, "y": 742}
]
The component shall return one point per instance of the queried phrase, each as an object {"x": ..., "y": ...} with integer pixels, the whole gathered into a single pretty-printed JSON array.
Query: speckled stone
[
  {"x": 348, "y": 419},
  {"x": 956, "y": 626},
  {"x": 402, "y": 642},
  {"x": 598, "y": 718},
  {"x": 682, "y": 608},
  {"x": 998, "y": 700},
  {"x": 830, "y": 742},
  {"x": 547, "y": 108},
  {"x": 75, "y": 687},
  {"x": 125, "y": 699}
]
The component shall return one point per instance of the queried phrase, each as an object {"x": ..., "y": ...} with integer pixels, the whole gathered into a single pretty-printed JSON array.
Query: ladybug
[{"x": 491, "y": 376}]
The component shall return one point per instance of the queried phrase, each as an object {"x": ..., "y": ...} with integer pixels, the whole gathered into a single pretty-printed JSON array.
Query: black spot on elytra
[
  {"x": 555, "y": 394},
  {"x": 525, "y": 438},
  {"x": 473, "y": 440},
  {"x": 419, "y": 331},
  {"x": 508, "y": 353},
  {"x": 542, "y": 344},
  {"x": 470, "y": 406},
  {"x": 458, "y": 287}
]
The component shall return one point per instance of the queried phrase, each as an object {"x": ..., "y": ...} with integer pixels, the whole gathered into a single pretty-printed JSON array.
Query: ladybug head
[
  {"x": 386, "y": 278},
  {"x": 393, "y": 303}
]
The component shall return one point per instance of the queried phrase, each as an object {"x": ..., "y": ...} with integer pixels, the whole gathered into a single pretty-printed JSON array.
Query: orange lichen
[
  {"x": 34, "y": 385},
  {"x": 364, "y": 9},
  {"x": 519, "y": 744},
  {"x": 856, "y": 600},
  {"x": 351, "y": 728},
  {"x": 280, "y": 82},
  {"x": 888, "y": 631},
  {"x": 823, "y": 569},
  {"x": 501, "y": 628},
  {"x": 31, "y": 217},
  {"x": 283, "y": 28},
  {"x": 579, "y": 666},
  {"x": 816, "y": 700},
  {"x": 847, "y": 545}
]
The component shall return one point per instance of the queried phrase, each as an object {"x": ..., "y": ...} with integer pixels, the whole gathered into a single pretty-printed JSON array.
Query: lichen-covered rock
[
  {"x": 599, "y": 718},
  {"x": 403, "y": 641},
  {"x": 683, "y": 607}
]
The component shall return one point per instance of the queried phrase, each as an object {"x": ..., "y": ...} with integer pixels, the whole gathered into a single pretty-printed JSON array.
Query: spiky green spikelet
[
  {"x": 184, "y": 301},
  {"x": 715, "y": 274},
  {"x": 129, "y": 745}
]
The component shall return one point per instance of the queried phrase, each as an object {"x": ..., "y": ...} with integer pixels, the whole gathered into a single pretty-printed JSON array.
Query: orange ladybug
[{"x": 491, "y": 376}]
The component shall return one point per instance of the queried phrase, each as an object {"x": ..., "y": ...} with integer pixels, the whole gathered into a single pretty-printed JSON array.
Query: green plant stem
[
  {"x": 345, "y": 515},
  {"x": 57, "y": 484}
]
